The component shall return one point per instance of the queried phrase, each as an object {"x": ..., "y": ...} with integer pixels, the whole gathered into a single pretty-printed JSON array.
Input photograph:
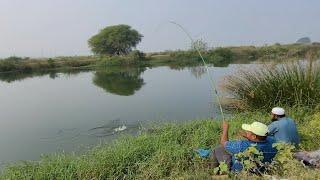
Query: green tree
[{"x": 115, "y": 40}]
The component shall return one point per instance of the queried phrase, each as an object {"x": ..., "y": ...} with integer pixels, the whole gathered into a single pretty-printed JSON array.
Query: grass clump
[{"x": 289, "y": 84}]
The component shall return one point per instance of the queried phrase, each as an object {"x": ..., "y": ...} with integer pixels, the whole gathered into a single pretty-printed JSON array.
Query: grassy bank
[
  {"x": 217, "y": 56},
  {"x": 17, "y": 64},
  {"x": 165, "y": 151}
]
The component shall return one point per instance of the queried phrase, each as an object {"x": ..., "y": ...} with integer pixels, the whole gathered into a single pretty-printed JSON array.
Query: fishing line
[{"x": 212, "y": 82}]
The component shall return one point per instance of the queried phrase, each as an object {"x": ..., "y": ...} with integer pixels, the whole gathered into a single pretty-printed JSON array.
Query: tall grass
[{"x": 289, "y": 84}]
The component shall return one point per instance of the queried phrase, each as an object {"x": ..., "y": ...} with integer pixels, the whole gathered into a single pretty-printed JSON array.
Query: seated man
[
  {"x": 255, "y": 134},
  {"x": 282, "y": 128}
]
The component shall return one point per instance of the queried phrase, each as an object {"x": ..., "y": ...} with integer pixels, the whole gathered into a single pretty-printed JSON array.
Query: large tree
[{"x": 115, "y": 40}]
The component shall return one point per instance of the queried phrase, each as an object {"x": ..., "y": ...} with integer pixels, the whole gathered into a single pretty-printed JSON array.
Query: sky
[{"x": 48, "y": 28}]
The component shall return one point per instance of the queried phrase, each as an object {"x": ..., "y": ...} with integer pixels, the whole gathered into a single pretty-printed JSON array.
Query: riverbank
[
  {"x": 217, "y": 57},
  {"x": 165, "y": 151}
]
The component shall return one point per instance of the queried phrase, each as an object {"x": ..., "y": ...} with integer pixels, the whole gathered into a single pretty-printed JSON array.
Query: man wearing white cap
[{"x": 282, "y": 128}]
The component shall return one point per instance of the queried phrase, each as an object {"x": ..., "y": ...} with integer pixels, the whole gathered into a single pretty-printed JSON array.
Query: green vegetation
[
  {"x": 227, "y": 55},
  {"x": 218, "y": 57},
  {"x": 164, "y": 152},
  {"x": 115, "y": 40},
  {"x": 28, "y": 65},
  {"x": 289, "y": 84}
]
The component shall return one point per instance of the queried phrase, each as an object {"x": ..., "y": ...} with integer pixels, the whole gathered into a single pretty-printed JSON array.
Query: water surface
[{"x": 43, "y": 113}]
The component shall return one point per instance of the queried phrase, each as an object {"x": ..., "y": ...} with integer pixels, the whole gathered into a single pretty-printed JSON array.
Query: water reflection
[
  {"x": 19, "y": 76},
  {"x": 123, "y": 82},
  {"x": 41, "y": 115},
  {"x": 197, "y": 71}
]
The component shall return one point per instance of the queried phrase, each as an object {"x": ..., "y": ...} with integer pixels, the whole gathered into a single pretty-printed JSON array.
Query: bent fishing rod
[{"x": 212, "y": 82}]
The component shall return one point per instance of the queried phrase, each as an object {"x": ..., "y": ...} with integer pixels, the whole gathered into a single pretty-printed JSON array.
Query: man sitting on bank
[
  {"x": 282, "y": 128},
  {"x": 255, "y": 134}
]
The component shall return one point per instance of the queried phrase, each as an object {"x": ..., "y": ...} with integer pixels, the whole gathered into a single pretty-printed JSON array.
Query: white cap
[{"x": 278, "y": 111}]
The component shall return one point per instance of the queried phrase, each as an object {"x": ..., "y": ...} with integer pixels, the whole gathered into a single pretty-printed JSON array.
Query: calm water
[{"x": 45, "y": 113}]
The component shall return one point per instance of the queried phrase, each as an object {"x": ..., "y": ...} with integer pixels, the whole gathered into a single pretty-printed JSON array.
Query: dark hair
[
  {"x": 261, "y": 138},
  {"x": 281, "y": 116}
]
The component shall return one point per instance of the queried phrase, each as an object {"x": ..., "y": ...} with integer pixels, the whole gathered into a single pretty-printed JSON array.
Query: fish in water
[
  {"x": 108, "y": 129},
  {"x": 121, "y": 128}
]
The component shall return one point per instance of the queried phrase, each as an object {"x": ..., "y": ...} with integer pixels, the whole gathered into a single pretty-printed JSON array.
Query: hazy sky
[{"x": 62, "y": 27}]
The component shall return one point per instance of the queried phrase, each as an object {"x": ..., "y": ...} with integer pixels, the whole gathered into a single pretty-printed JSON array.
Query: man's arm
[
  {"x": 272, "y": 129},
  {"x": 224, "y": 136}
]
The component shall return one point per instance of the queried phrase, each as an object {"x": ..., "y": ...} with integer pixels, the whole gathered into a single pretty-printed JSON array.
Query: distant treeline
[
  {"x": 225, "y": 55},
  {"x": 221, "y": 56}
]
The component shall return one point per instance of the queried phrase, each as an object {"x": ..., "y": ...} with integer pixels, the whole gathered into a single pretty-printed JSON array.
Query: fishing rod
[{"x": 212, "y": 82}]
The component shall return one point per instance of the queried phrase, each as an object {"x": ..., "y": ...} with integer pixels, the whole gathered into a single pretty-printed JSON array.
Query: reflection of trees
[
  {"x": 19, "y": 76},
  {"x": 123, "y": 82},
  {"x": 197, "y": 71}
]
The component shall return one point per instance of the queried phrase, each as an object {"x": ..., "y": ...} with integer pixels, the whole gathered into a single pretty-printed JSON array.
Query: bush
[
  {"x": 309, "y": 131},
  {"x": 14, "y": 58},
  {"x": 220, "y": 56},
  {"x": 51, "y": 63},
  {"x": 137, "y": 55},
  {"x": 289, "y": 84}
]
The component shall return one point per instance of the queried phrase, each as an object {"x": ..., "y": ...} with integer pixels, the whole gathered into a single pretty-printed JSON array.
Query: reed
[{"x": 289, "y": 84}]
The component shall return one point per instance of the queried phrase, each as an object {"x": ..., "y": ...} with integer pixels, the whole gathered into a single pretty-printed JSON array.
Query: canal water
[{"x": 48, "y": 112}]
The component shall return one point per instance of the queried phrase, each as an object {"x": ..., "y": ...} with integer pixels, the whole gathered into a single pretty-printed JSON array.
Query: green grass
[
  {"x": 14, "y": 64},
  {"x": 164, "y": 151},
  {"x": 289, "y": 84}
]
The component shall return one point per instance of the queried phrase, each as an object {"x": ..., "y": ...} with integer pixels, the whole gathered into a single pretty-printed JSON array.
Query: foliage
[
  {"x": 137, "y": 55},
  {"x": 289, "y": 84},
  {"x": 16, "y": 58},
  {"x": 250, "y": 159},
  {"x": 221, "y": 169},
  {"x": 309, "y": 131},
  {"x": 220, "y": 56},
  {"x": 51, "y": 63},
  {"x": 199, "y": 45},
  {"x": 28, "y": 65},
  {"x": 114, "y": 40}
]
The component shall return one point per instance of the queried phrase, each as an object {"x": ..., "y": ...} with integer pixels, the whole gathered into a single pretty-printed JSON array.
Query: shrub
[
  {"x": 51, "y": 63},
  {"x": 137, "y": 55},
  {"x": 221, "y": 56},
  {"x": 309, "y": 131},
  {"x": 289, "y": 84},
  {"x": 14, "y": 58}
]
